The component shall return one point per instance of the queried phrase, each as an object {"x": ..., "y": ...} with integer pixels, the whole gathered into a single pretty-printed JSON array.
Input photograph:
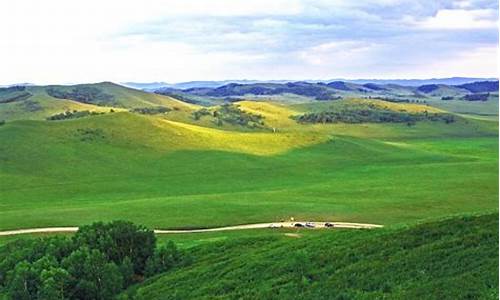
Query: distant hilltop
[{"x": 215, "y": 84}]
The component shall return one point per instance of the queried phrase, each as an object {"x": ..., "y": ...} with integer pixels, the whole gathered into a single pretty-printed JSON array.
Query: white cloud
[
  {"x": 341, "y": 54},
  {"x": 461, "y": 19},
  {"x": 60, "y": 41},
  {"x": 480, "y": 62}
]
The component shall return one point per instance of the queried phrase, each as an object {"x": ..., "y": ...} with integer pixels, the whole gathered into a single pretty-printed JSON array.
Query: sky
[{"x": 61, "y": 41}]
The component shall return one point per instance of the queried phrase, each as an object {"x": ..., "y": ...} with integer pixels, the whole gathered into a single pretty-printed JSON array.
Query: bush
[
  {"x": 85, "y": 94},
  {"x": 151, "y": 110},
  {"x": 73, "y": 115},
  {"x": 200, "y": 113},
  {"x": 476, "y": 97},
  {"x": 371, "y": 114},
  {"x": 119, "y": 240},
  {"x": 232, "y": 114},
  {"x": 98, "y": 262}
]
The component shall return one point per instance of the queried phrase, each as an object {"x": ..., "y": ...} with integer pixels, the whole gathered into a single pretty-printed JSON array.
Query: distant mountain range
[
  {"x": 214, "y": 84},
  {"x": 321, "y": 91}
]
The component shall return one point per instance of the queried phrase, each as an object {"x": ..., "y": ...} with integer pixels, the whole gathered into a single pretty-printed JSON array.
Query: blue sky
[{"x": 56, "y": 41}]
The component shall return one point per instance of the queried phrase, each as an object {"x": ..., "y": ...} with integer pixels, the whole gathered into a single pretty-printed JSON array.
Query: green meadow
[
  {"x": 121, "y": 166},
  {"x": 455, "y": 258},
  {"x": 159, "y": 162}
]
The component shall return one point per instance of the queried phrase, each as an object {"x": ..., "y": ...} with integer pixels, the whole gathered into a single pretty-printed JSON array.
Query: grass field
[
  {"x": 170, "y": 175},
  {"x": 173, "y": 170},
  {"x": 451, "y": 259}
]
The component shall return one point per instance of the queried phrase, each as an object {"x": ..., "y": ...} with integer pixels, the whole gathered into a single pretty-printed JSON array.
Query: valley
[{"x": 115, "y": 153}]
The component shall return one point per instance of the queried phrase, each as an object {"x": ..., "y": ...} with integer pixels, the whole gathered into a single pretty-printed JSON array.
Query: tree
[
  {"x": 54, "y": 284},
  {"x": 127, "y": 271},
  {"x": 91, "y": 276},
  {"x": 119, "y": 239},
  {"x": 23, "y": 284},
  {"x": 165, "y": 258}
]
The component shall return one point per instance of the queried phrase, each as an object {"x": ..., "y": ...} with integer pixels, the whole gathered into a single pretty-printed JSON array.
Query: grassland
[
  {"x": 169, "y": 174},
  {"x": 172, "y": 170},
  {"x": 41, "y": 105},
  {"x": 451, "y": 259}
]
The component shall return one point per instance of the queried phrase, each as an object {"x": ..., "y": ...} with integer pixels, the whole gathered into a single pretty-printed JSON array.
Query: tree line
[
  {"x": 98, "y": 262},
  {"x": 84, "y": 94},
  {"x": 73, "y": 115},
  {"x": 371, "y": 116}
]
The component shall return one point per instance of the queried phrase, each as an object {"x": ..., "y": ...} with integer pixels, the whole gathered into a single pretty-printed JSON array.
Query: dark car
[
  {"x": 328, "y": 224},
  {"x": 298, "y": 225}
]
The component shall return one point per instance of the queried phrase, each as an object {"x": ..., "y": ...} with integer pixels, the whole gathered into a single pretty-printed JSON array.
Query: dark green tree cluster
[
  {"x": 477, "y": 97},
  {"x": 151, "y": 110},
  {"x": 13, "y": 94},
  {"x": 98, "y": 262},
  {"x": 73, "y": 115},
  {"x": 31, "y": 105},
  {"x": 371, "y": 115},
  {"x": 395, "y": 100},
  {"x": 232, "y": 114},
  {"x": 85, "y": 94},
  {"x": 200, "y": 113}
]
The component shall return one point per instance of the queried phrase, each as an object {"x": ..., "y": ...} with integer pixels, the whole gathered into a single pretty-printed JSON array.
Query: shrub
[
  {"x": 85, "y": 94},
  {"x": 151, "y": 110},
  {"x": 98, "y": 262},
  {"x": 73, "y": 115}
]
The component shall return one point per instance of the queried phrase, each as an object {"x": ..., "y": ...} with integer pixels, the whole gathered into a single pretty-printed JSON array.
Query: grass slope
[
  {"x": 41, "y": 105},
  {"x": 451, "y": 259},
  {"x": 163, "y": 173}
]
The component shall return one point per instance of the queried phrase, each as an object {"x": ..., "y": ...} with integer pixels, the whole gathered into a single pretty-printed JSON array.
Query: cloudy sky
[{"x": 61, "y": 41}]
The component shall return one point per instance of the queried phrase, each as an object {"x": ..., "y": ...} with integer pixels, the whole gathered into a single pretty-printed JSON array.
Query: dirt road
[{"x": 317, "y": 225}]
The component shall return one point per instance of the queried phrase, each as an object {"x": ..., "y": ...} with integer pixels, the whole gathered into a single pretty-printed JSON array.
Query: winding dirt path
[{"x": 317, "y": 225}]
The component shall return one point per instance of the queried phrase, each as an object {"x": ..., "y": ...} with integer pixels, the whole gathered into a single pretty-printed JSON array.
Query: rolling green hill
[
  {"x": 40, "y": 104},
  {"x": 164, "y": 163},
  {"x": 451, "y": 259},
  {"x": 165, "y": 173}
]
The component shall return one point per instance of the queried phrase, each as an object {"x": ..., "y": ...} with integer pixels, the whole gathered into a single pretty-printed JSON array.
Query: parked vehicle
[
  {"x": 329, "y": 225},
  {"x": 298, "y": 225},
  {"x": 310, "y": 225}
]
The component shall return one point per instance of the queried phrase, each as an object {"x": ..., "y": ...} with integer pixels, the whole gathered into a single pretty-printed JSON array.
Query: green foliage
[
  {"x": 151, "y": 110},
  {"x": 200, "y": 113},
  {"x": 84, "y": 94},
  {"x": 90, "y": 134},
  {"x": 14, "y": 94},
  {"x": 73, "y": 115},
  {"x": 127, "y": 271},
  {"x": 119, "y": 240},
  {"x": 165, "y": 258},
  {"x": 231, "y": 114},
  {"x": 31, "y": 105},
  {"x": 92, "y": 276},
  {"x": 54, "y": 283},
  {"x": 98, "y": 262},
  {"x": 452, "y": 259},
  {"x": 371, "y": 114},
  {"x": 477, "y": 97}
]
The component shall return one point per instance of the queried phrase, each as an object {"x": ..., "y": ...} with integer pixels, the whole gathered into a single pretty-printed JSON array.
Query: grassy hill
[
  {"x": 451, "y": 259},
  {"x": 164, "y": 163},
  {"x": 323, "y": 91},
  {"x": 166, "y": 173},
  {"x": 41, "y": 104}
]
